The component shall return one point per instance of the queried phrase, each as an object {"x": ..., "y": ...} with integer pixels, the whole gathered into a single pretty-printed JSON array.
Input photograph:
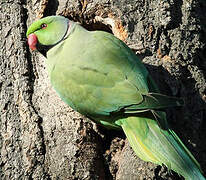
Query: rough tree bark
[{"x": 42, "y": 138}]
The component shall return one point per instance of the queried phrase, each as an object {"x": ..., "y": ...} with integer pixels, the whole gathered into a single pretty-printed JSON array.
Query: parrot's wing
[
  {"x": 154, "y": 101},
  {"x": 100, "y": 75}
]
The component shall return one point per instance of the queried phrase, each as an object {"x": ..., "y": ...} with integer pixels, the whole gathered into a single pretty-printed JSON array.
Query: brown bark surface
[{"x": 42, "y": 138}]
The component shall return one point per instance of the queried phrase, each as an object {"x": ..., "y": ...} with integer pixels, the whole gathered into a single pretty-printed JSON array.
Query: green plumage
[{"x": 99, "y": 76}]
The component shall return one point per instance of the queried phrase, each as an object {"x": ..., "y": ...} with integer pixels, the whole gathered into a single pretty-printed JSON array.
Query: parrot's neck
[
  {"x": 70, "y": 29},
  {"x": 73, "y": 28},
  {"x": 54, "y": 55},
  {"x": 44, "y": 49}
]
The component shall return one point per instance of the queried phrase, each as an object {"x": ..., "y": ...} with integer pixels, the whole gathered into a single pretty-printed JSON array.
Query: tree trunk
[{"x": 42, "y": 138}]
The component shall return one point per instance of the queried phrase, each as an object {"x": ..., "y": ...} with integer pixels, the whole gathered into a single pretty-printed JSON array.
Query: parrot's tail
[{"x": 153, "y": 144}]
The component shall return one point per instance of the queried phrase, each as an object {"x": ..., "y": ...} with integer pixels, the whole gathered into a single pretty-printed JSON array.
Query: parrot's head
[{"x": 47, "y": 32}]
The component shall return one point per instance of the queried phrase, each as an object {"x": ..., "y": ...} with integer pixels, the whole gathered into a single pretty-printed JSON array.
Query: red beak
[{"x": 32, "y": 41}]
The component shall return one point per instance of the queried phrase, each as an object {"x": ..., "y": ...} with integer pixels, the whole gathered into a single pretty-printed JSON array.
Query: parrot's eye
[{"x": 43, "y": 26}]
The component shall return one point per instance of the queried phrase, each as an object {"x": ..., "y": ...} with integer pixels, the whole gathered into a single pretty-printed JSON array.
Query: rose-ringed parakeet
[{"x": 99, "y": 76}]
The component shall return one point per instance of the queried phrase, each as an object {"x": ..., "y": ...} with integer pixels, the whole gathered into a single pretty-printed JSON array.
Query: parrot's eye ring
[{"x": 43, "y": 26}]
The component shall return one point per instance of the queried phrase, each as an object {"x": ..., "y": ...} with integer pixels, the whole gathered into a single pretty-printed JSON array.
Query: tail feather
[{"x": 153, "y": 144}]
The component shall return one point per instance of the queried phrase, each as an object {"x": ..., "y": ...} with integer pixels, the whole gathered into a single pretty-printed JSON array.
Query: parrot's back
[{"x": 96, "y": 74}]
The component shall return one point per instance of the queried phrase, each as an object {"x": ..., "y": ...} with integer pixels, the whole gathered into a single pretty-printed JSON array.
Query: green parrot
[{"x": 97, "y": 75}]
